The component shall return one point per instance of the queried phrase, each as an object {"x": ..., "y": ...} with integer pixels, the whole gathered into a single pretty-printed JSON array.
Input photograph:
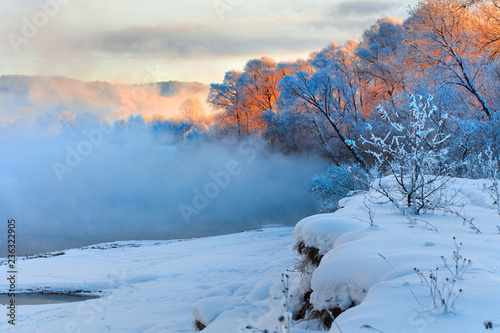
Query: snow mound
[
  {"x": 224, "y": 290},
  {"x": 480, "y": 198},
  {"x": 207, "y": 310},
  {"x": 321, "y": 231}
]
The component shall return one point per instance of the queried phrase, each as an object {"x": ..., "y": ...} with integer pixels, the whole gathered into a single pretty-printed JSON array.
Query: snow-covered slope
[{"x": 372, "y": 266}]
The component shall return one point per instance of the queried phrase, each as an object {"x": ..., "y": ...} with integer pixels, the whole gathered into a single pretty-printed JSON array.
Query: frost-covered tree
[
  {"x": 445, "y": 48},
  {"x": 442, "y": 39},
  {"x": 383, "y": 65},
  {"x": 192, "y": 110},
  {"x": 489, "y": 163},
  {"x": 337, "y": 182},
  {"x": 412, "y": 155},
  {"x": 489, "y": 25},
  {"x": 244, "y": 97},
  {"x": 226, "y": 98},
  {"x": 259, "y": 83},
  {"x": 329, "y": 95},
  {"x": 169, "y": 131}
]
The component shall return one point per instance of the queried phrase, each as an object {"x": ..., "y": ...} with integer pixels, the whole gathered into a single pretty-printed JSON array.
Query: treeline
[{"x": 448, "y": 49}]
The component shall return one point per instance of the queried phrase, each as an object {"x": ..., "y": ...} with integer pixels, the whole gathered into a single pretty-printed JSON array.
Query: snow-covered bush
[
  {"x": 411, "y": 158},
  {"x": 337, "y": 182},
  {"x": 491, "y": 170}
]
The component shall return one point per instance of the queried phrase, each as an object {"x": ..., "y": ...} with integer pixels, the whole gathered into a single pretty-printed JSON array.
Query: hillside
[{"x": 20, "y": 84}]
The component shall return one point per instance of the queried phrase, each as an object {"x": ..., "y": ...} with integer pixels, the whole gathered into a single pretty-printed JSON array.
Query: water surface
[{"x": 45, "y": 298}]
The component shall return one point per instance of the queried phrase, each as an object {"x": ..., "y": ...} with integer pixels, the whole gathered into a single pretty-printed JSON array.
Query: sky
[{"x": 131, "y": 41}]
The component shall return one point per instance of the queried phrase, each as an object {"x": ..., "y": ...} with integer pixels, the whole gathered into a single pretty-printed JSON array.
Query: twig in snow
[{"x": 401, "y": 277}]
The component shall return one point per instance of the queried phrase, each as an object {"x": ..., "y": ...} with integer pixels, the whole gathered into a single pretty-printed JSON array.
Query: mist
[
  {"x": 30, "y": 98},
  {"x": 85, "y": 180}
]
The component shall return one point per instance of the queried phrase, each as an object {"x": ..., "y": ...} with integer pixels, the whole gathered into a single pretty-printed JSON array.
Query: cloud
[
  {"x": 195, "y": 41},
  {"x": 101, "y": 40},
  {"x": 360, "y": 8},
  {"x": 350, "y": 18}
]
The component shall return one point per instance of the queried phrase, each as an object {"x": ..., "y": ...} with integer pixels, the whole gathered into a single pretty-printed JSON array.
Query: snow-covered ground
[
  {"x": 372, "y": 267},
  {"x": 228, "y": 283},
  {"x": 152, "y": 286}
]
